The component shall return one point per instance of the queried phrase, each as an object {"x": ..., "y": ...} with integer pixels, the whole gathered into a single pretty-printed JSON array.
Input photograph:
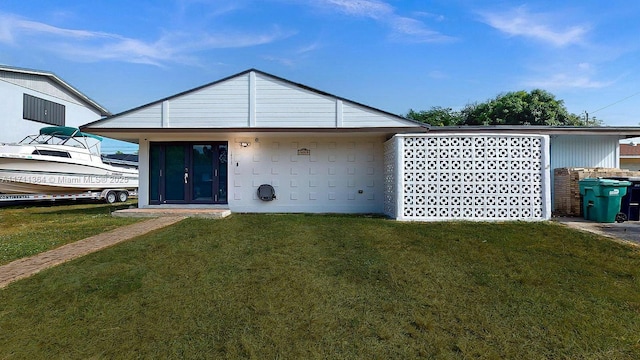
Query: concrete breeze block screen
[{"x": 467, "y": 177}]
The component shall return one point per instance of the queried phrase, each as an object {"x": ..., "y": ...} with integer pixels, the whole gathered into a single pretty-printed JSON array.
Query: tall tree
[
  {"x": 436, "y": 116},
  {"x": 537, "y": 107}
]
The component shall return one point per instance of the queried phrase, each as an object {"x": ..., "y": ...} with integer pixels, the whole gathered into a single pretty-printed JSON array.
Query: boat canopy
[{"x": 66, "y": 131}]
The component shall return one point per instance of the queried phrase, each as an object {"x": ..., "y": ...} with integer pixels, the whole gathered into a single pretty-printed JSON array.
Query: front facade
[
  {"x": 223, "y": 143},
  {"x": 32, "y": 99},
  {"x": 215, "y": 145}
]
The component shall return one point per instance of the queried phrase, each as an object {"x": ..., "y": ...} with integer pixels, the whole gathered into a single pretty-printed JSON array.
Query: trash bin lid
[
  {"x": 611, "y": 182},
  {"x": 603, "y": 182},
  {"x": 589, "y": 181}
]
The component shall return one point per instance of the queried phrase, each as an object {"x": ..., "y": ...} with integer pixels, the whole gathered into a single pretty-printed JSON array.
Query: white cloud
[
  {"x": 425, "y": 14},
  {"x": 38, "y": 28},
  {"x": 280, "y": 60},
  {"x": 565, "y": 80},
  {"x": 292, "y": 57},
  {"x": 308, "y": 48},
  {"x": 6, "y": 34},
  {"x": 404, "y": 28},
  {"x": 521, "y": 22},
  {"x": 575, "y": 75},
  {"x": 87, "y": 45},
  {"x": 368, "y": 8},
  {"x": 414, "y": 31}
]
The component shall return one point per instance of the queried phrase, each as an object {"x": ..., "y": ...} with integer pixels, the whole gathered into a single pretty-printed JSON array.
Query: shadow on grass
[
  {"x": 82, "y": 208},
  {"x": 92, "y": 209}
]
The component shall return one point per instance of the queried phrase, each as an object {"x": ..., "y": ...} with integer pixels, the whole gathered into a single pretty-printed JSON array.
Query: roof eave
[
  {"x": 101, "y": 109},
  {"x": 98, "y": 130}
]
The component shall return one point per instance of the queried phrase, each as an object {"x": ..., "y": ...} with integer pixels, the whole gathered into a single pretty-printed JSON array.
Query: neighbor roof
[
  {"x": 629, "y": 151},
  {"x": 53, "y": 77}
]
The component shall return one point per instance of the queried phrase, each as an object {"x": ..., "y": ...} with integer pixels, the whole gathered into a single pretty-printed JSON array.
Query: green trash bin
[{"x": 601, "y": 198}]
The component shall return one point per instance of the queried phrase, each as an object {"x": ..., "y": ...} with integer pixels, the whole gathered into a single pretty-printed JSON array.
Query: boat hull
[{"x": 18, "y": 176}]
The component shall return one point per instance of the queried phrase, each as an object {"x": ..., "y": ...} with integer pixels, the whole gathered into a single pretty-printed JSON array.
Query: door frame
[{"x": 217, "y": 173}]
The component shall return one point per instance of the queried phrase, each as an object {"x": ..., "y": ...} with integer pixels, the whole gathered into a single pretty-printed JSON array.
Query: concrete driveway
[{"x": 628, "y": 231}]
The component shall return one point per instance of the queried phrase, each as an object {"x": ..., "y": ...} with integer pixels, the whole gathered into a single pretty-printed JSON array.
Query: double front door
[{"x": 188, "y": 173}]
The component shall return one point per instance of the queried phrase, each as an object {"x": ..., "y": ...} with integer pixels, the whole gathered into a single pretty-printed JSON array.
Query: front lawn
[
  {"x": 32, "y": 228},
  {"x": 327, "y": 287}
]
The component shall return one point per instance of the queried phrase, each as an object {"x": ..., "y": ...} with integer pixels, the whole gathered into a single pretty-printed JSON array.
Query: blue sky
[{"x": 393, "y": 55}]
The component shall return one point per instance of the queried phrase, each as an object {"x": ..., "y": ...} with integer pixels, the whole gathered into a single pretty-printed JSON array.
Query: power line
[{"x": 619, "y": 101}]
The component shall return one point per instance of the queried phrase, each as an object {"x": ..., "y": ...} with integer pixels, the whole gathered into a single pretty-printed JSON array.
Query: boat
[{"x": 60, "y": 159}]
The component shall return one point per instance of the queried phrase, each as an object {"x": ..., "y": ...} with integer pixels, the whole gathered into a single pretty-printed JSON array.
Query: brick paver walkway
[{"x": 26, "y": 267}]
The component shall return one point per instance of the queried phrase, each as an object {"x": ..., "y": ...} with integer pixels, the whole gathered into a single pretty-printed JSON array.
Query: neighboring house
[
  {"x": 32, "y": 99},
  {"x": 218, "y": 144},
  {"x": 630, "y": 156}
]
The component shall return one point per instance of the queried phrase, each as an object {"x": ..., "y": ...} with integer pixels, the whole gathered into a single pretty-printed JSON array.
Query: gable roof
[
  {"x": 252, "y": 100},
  {"x": 57, "y": 80}
]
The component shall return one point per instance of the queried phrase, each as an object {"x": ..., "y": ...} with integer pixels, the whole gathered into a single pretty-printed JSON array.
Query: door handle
[{"x": 186, "y": 178}]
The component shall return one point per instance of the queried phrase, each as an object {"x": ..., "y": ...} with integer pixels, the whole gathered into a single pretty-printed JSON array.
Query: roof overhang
[{"x": 133, "y": 134}]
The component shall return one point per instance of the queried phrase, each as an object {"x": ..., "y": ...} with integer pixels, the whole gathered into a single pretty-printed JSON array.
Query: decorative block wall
[
  {"x": 390, "y": 181},
  {"x": 467, "y": 177}
]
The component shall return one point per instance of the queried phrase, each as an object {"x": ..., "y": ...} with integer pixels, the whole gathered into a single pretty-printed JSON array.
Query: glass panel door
[
  {"x": 222, "y": 173},
  {"x": 176, "y": 173},
  {"x": 188, "y": 173},
  {"x": 202, "y": 161},
  {"x": 155, "y": 170}
]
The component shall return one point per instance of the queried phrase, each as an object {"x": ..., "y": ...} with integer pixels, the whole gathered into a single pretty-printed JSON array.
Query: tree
[
  {"x": 436, "y": 116},
  {"x": 537, "y": 107}
]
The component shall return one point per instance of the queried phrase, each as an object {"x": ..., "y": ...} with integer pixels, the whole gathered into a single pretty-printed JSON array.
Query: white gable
[
  {"x": 253, "y": 100},
  {"x": 49, "y": 85},
  {"x": 38, "y": 83},
  {"x": 281, "y": 104}
]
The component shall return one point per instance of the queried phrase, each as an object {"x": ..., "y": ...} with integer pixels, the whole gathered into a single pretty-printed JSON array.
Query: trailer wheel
[
  {"x": 123, "y": 196},
  {"x": 111, "y": 197}
]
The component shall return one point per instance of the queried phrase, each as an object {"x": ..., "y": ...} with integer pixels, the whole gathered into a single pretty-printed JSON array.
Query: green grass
[
  {"x": 334, "y": 287},
  {"x": 30, "y": 229}
]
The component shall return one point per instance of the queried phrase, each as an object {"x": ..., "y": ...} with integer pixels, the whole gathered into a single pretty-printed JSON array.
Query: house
[
  {"x": 32, "y": 99},
  {"x": 255, "y": 142},
  {"x": 630, "y": 156}
]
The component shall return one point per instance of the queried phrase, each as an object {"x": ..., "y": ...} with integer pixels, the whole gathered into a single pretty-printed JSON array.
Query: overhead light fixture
[{"x": 245, "y": 144}]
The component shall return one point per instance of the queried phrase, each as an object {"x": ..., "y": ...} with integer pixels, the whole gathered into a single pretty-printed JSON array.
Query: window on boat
[{"x": 52, "y": 153}]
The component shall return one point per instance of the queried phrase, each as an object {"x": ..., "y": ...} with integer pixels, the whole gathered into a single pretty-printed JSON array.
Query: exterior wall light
[{"x": 245, "y": 144}]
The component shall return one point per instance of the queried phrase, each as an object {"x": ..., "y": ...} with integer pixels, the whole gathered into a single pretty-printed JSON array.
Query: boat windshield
[{"x": 76, "y": 139}]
